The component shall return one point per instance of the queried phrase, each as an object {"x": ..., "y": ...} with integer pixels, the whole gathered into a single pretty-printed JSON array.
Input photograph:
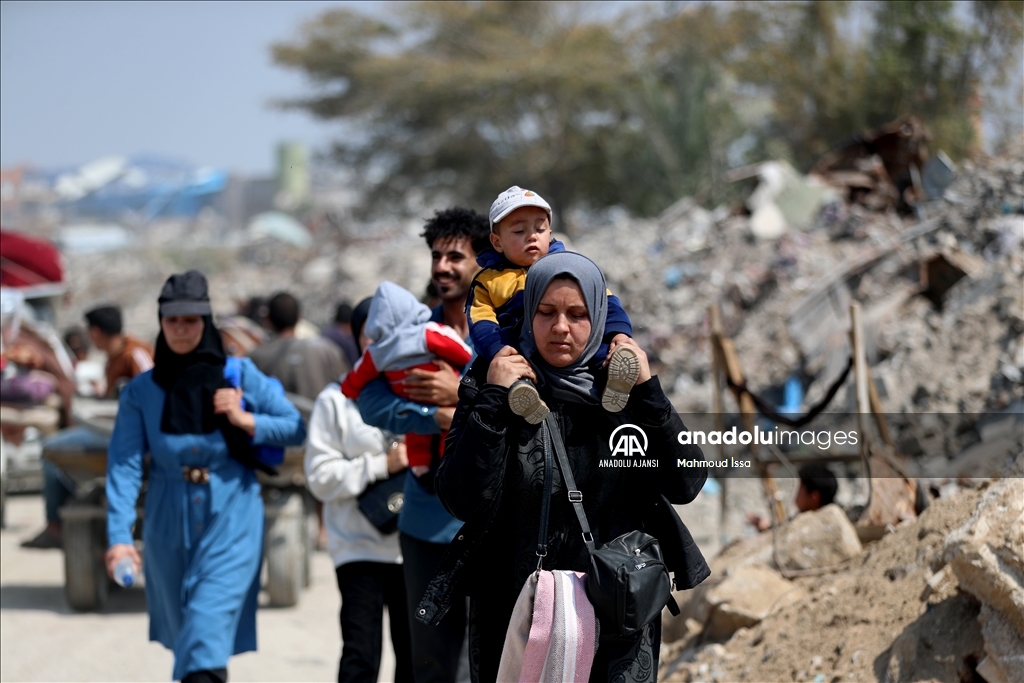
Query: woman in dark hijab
[
  {"x": 493, "y": 472},
  {"x": 203, "y": 534}
]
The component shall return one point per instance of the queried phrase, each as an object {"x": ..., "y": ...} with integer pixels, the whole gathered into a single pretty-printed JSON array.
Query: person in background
[
  {"x": 47, "y": 360},
  {"x": 240, "y": 335},
  {"x": 204, "y": 516},
  {"x": 78, "y": 342},
  {"x": 89, "y": 374},
  {"x": 817, "y": 489},
  {"x": 454, "y": 237},
  {"x": 303, "y": 366},
  {"x": 344, "y": 456},
  {"x": 127, "y": 356},
  {"x": 340, "y": 332}
]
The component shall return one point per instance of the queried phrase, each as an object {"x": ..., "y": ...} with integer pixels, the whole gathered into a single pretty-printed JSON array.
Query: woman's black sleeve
[
  {"x": 676, "y": 475},
  {"x": 473, "y": 465}
]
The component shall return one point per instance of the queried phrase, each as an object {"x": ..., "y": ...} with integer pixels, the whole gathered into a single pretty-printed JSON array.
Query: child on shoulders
[{"x": 520, "y": 235}]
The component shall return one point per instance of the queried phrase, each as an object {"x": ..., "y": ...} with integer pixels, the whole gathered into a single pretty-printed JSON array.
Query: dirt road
[{"x": 42, "y": 639}]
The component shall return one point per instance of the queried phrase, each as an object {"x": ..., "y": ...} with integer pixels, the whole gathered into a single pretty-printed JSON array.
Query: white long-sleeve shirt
[{"x": 344, "y": 455}]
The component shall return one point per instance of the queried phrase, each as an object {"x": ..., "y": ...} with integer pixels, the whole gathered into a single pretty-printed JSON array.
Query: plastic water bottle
[{"x": 124, "y": 572}]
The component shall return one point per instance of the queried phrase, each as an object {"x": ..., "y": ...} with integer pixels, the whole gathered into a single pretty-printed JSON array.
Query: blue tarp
[{"x": 153, "y": 187}]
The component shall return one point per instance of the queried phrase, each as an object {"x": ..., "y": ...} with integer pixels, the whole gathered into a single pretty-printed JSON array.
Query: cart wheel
[
  {"x": 285, "y": 549},
  {"x": 85, "y": 575}
]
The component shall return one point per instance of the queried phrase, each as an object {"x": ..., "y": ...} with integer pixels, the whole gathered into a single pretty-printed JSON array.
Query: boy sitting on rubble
[
  {"x": 817, "y": 489},
  {"x": 403, "y": 337},
  {"x": 521, "y": 234}
]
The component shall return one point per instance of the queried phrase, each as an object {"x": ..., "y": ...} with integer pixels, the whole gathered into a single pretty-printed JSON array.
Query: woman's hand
[
  {"x": 507, "y": 366},
  {"x": 119, "y": 550},
  {"x": 623, "y": 340},
  {"x": 229, "y": 402},
  {"x": 398, "y": 458}
]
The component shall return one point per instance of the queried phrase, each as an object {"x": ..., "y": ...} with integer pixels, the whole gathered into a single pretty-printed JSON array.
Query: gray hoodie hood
[{"x": 395, "y": 326}]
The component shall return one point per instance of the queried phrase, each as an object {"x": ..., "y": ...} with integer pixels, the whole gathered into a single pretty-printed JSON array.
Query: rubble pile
[
  {"x": 939, "y": 293},
  {"x": 337, "y": 268},
  {"x": 785, "y": 301},
  {"x": 940, "y": 598}
]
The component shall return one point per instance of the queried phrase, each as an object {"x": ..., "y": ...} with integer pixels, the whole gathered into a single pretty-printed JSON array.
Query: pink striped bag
[{"x": 553, "y": 633}]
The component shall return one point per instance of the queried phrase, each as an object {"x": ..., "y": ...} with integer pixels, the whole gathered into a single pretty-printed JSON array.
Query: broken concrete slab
[
  {"x": 694, "y": 605},
  {"x": 811, "y": 540},
  {"x": 747, "y": 596},
  {"x": 1004, "y": 648},
  {"x": 987, "y": 552},
  {"x": 941, "y": 645}
]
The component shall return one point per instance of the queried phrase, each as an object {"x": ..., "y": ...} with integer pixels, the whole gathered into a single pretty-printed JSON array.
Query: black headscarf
[{"x": 190, "y": 380}]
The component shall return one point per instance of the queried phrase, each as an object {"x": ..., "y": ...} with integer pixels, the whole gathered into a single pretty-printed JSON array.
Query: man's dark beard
[{"x": 443, "y": 288}]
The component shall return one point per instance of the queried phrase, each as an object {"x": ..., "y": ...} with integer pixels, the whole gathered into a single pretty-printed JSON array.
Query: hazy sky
[{"x": 81, "y": 80}]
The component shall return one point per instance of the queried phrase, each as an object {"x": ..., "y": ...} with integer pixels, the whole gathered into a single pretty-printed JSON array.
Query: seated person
[
  {"x": 78, "y": 343},
  {"x": 817, "y": 489},
  {"x": 402, "y": 337},
  {"x": 127, "y": 356},
  {"x": 520, "y": 235}
]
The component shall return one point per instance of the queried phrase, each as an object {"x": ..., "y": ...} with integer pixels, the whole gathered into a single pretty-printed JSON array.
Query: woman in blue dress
[{"x": 203, "y": 530}]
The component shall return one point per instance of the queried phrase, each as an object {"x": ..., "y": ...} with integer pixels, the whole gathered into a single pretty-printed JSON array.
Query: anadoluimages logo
[{"x": 628, "y": 440}]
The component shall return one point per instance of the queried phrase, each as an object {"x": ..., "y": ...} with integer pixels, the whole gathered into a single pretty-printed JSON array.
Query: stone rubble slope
[{"x": 898, "y": 611}]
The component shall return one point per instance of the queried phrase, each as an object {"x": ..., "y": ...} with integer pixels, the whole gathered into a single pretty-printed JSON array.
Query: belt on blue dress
[{"x": 196, "y": 475}]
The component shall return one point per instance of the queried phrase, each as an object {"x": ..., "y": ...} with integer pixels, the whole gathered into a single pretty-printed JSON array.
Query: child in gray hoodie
[{"x": 403, "y": 337}]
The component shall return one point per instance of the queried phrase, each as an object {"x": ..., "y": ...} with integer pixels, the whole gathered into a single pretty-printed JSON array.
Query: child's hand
[
  {"x": 645, "y": 367},
  {"x": 616, "y": 341}
]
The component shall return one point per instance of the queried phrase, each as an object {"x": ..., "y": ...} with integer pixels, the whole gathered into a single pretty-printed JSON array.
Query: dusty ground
[
  {"x": 845, "y": 630},
  {"x": 42, "y": 639}
]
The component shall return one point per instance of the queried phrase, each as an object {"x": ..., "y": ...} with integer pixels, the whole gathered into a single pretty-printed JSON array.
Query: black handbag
[
  {"x": 382, "y": 501},
  {"x": 628, "y": 582}
]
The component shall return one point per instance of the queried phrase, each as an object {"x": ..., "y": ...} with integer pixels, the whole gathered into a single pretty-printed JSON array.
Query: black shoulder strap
[
  {"x": 545, "y": 508},
  {"x": 575, "y": 496}
]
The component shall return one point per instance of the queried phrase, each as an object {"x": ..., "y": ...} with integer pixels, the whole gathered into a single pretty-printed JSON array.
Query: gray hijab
[{"x": 575, "y": 382}]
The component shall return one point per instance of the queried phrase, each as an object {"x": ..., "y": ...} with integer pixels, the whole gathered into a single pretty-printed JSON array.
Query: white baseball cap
[{"x": 514, "y": 198}]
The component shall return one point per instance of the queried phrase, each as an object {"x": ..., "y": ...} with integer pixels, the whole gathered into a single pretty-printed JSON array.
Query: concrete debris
[
  {"x": 897, "y": 611},
  {"x": 892, "y": 500},
  {"x": 694, "y": 606},
  {"x": 784, "y": 199},
  {"x": 943, "y": 644},
  {"x": 785, "y": 304},
  {"x": 1004, "y": 648},
  {"x": 987, "y": 552},
  {"x": 882, "y": 167},
  {"x": 822, "y": 538},
  {"x": 746, "y": 597}
]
